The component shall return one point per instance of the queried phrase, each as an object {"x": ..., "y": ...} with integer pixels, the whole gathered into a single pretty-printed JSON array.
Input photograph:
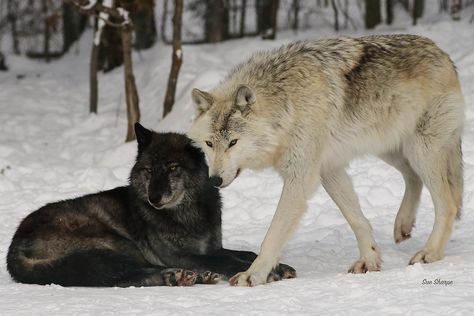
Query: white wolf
[{"x": 308, "y": 108}]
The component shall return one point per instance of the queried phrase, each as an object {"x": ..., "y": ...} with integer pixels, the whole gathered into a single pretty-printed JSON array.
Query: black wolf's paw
[
  {"x": 178, "y": 277},
  {"x": 281, "y": 271},
  {"x": 208, "y": 277}
]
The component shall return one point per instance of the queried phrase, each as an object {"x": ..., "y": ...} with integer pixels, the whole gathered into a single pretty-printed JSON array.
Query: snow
[
  {"x": 179, "y": 53},
  {"x": 51, "y": 149}
]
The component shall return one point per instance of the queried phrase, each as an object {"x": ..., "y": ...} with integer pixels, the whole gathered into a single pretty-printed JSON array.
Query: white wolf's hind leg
[
  {"x": 339, "y": 187},
  {"x": 431, "y": 158},
  {"x": 406, "y": 215}
]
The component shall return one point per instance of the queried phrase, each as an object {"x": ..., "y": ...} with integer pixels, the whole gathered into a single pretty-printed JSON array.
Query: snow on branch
[
  {"x": 103, "y": 18},
  {"x": 96, "y": 8},
  {"x": 89, "y": 5}
]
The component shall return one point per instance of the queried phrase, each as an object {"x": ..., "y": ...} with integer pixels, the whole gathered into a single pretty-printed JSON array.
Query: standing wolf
[
  {"x": 169, "y": 216},
  {"x": 308, "y": 108}
]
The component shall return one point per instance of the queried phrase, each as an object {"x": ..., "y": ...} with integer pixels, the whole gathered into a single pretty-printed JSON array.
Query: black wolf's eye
[
  {"x": 173, "y": 167},
  {"x": 149, "y": 170},
  {"x": 208, "y": 143},
  {"x": 233, "y": 142}
]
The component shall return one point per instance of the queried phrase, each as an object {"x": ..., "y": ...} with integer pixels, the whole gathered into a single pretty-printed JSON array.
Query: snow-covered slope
[{"x": 51, "y": 148}]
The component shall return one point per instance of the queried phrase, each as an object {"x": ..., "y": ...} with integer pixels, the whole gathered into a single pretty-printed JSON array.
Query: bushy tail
[
  {"x": 86, "y": 268},
  {"x": 455, "y": 175}
]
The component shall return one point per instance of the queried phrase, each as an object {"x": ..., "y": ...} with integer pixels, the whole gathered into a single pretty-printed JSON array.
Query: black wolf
[{"x": 169, "y": 216}]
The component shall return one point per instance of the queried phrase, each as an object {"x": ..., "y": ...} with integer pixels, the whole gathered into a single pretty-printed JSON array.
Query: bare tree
[
  {"x": 133, "y": 111},
  {"x": 164, "y": 19},
  {"x": 3, "y": 64},
  {"x": 123, "y": 22},
  {"x": 456, "y": 6},
  {"x": 177, "y": 58},
  {"x": 216, "y": 21},
  {"x": 336, "y": 15},
  {"x": 47, "y": 36},
  {"x": 12, "y": 8},
  {"x": 93, "y": 83},
  {"x": 345, "y": 12},
  {"x": 443, "y": 5},
  {"x": 142, "y": 13},
  {"x": 74, "y": 24},
  {"x": 296, "y": 9},
  {"x": 418, "y": 6},
  {"x": 267, "y": 12},
  {"x": 372, "y": 13},
  {"x": 405, "y": 4},
  {"x": 389, "y": 11},
  {"x": 243, "y": 11}
]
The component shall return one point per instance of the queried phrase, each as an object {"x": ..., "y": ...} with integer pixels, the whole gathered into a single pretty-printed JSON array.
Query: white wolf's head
[{"x": 225, "y": 129}]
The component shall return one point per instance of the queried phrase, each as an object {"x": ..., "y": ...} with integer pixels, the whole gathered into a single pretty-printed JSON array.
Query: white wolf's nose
[{"x": 216, "y": 181}]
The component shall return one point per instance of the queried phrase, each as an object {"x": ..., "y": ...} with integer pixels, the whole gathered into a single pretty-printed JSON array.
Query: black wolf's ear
[
  {"x": 143, "y": 134},
  {"x": 202, "y": 101},
  {"x": 244, "y": 97}
]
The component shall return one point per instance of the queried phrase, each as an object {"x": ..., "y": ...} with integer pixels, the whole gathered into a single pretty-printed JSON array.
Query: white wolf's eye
[
  {"x": 208, "y": 143},
  {"x": 233, "y": 142}
]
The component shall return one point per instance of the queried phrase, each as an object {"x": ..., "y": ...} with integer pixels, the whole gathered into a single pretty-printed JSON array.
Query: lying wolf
[
  {"x": 308, "y": 108},
  {"x": 169, "y": 216}
]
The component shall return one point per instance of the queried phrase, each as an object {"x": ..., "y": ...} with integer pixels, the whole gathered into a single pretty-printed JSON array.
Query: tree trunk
[
  {"x": 233, "y": 8},
  {"x": 296, "y": 10},
  {"x": 177, "y": 58},
  {"x": 131, "y": 95},
  {"x": 12, "y": 8},
  {"x": 372, "y": 13},
  {"x": 346, "y": 14},
  {"x": 111, "y": 48},
  {"x": 142, "y": 14},
  {"x": 443, "y": 5},
  {"x": 164, "y": 19},
  {"x": 406, "y": 4},
  {"x": 216, "y": 21},
  {"x": 74, "y": 24},
  {"x": 243, "y": 11},
  {"x": 94, "y": 87},
  {"x": 389, "y": 10},
  {"x": 336, "y": 15},
  {"x": 418, "y": 6},
  {"x": 456, "y": 6},
  {"x": 3, "y": 64},
  {"x": 47, "y": 35},
  {"x": 268, "y": 12}
]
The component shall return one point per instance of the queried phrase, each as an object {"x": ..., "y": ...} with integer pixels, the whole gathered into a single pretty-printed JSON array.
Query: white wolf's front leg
[{"x": 290, "y": 209}]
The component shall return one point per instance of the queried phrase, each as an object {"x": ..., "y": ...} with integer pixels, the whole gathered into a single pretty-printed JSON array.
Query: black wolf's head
[{"x": 168, "y": 169}]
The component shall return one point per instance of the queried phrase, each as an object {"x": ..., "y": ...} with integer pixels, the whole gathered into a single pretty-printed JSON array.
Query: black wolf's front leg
[{"x": 228, "y": 262}]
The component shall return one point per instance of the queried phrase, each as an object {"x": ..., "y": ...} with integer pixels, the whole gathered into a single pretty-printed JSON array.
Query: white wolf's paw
[
  {"x": 367, "y": 264},
  {"x": 426, "y": 256},
  {"x": 248, "y": 279},
  {"x": 402, "y": 229}
]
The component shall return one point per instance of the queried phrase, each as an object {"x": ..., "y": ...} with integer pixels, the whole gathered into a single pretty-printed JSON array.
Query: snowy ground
[{"x": 51, "y": 148}]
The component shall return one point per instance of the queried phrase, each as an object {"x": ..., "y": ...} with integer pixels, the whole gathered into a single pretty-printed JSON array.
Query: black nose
[{"x": 216, "y": 181}]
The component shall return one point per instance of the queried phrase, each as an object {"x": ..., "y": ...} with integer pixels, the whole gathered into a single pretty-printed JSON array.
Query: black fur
[{"x": 169, "y": 216}]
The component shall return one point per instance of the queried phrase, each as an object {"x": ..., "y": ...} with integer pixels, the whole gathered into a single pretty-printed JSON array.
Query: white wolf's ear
[
  {"x": 244, "y": 97},
  {"x": 202, "y": 101}
]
